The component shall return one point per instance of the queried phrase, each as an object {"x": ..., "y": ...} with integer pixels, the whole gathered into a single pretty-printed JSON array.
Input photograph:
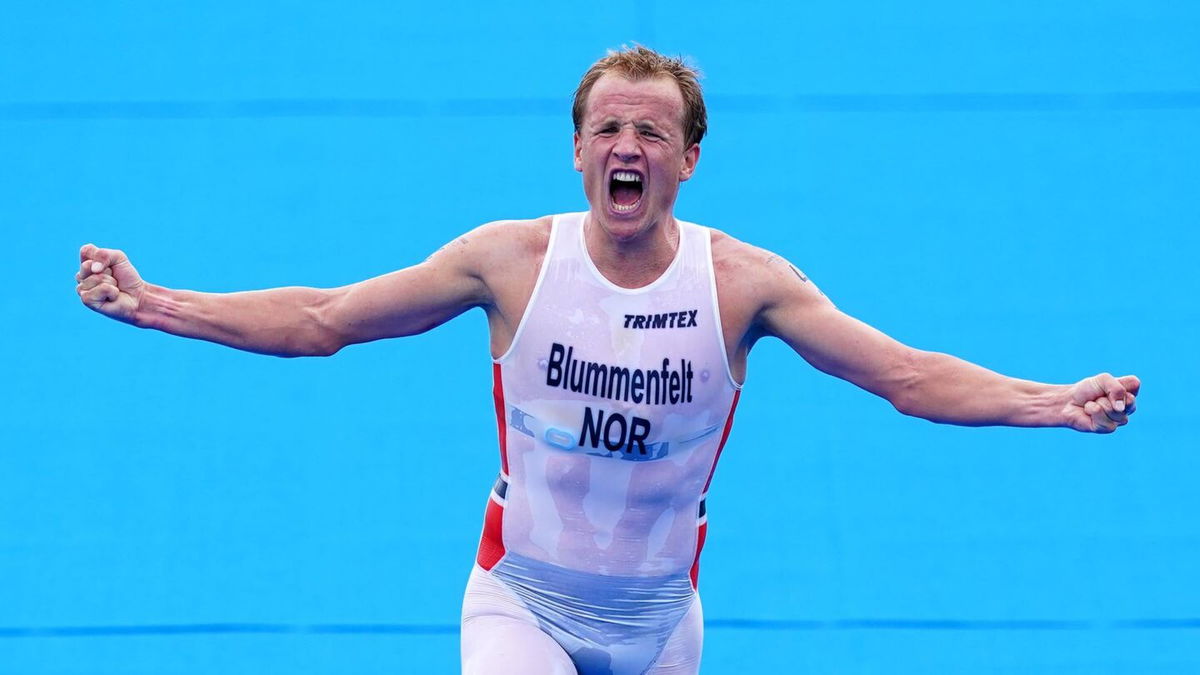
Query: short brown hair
[{"x": 639, "y": 63}]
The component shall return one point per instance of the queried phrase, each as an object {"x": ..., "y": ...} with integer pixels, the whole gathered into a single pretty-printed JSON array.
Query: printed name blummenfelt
[{"x": 666, "y": 386}]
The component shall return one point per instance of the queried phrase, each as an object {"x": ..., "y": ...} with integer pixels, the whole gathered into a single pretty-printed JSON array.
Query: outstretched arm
[
  {"x": 930, "y": 385},
  {"x": 293, "y": 321}
]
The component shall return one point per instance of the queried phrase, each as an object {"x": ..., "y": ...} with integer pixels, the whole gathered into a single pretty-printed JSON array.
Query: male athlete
[{"x": 619, "y": 338}]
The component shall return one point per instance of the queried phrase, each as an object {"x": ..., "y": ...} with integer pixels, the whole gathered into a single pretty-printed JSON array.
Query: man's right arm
[{"x": 295, "y": 321}]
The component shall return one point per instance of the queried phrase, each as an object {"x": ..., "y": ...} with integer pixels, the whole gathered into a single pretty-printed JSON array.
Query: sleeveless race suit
[{"x": 612, "y": 405}]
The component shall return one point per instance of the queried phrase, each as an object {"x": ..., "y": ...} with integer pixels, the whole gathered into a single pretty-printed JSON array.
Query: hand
[
  {"x": 107, "y": 283},
  {"x": 1101, "y": 403}
]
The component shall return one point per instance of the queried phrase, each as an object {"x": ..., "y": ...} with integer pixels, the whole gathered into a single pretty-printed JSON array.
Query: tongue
[{"x": 626, "y": 194}]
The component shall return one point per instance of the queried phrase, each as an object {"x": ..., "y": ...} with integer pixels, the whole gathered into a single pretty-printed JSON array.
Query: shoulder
[
  {"x": 505, "y": 256},
  {"x": 500, "y": 243},
  {"x": 732, "y": 256},
  {"x": 518, "y": 237},
  {"x": 754, "y": 276},
  {"x": 519, "y": 233},
  {"x": 740, "y": 263}
]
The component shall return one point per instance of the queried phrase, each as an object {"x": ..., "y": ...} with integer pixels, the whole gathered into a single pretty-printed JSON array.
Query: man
[{"x": 619, "y": 338}]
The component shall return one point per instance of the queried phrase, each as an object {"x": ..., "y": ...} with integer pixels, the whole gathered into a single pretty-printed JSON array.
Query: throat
[{"x": 634, "y": 261}]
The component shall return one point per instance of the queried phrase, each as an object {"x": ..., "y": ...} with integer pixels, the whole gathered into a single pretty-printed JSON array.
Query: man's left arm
[{"x": 930, "y": 385}]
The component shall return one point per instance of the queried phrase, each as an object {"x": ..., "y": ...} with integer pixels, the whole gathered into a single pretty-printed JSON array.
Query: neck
[{"x": 635, "y": 261}]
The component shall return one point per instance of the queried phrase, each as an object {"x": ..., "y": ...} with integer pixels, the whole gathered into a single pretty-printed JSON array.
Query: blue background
[{"x": 1011, "y": 182}]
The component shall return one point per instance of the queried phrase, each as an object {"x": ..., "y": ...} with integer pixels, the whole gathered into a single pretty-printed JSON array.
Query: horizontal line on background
[
  {"x": 960, "y": 102},
  {"x": 230, "y": 629},
  {"x": 955, "y": 624},
  {"x": 524, "y": 107},
  {"x": 713, "y": 624}
]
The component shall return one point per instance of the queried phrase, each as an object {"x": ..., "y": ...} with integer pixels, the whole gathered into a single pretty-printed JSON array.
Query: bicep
[
  {"x": 837, "y": 343},
  {"x": 408, "y": 301}
]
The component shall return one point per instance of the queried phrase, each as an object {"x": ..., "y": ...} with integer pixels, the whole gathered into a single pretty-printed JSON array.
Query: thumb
[
  {"x": 108, "y": 256},
  {"x": 1131, "y": 383}
]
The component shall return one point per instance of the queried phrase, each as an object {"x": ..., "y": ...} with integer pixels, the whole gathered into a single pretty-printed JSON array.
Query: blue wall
[{"x": 1012, "y": 182}]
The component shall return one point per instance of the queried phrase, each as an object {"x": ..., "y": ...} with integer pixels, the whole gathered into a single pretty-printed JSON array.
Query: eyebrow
[{"x": 640, "y": 124}]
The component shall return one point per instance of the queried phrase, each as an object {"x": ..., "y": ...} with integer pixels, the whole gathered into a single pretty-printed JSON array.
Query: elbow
[
  {"x": 325, "y": 341},
  {"x": 905, "y": 404},
  {"x": 328, "y": 347},
  {"x": 307, "y": 346},
  {"x": 319, "y": 347},
  {"x": 321, "y": 337},
  {"x": 903, "y": 388}
]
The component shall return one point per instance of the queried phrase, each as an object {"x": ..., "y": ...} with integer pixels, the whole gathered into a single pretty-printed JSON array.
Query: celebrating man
[{"x": 619, "y": 338}]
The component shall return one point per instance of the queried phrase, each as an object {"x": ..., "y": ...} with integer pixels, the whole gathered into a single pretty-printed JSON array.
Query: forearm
[
  {"x": 280, "y": 321},
  {"x": 948, "y": 390}
]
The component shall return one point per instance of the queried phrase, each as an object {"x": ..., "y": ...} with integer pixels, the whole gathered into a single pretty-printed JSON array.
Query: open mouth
[{"x": 625, "y": 190}]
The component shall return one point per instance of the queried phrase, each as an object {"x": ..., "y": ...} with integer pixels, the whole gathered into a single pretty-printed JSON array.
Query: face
[{"x": 630, "y": 149}]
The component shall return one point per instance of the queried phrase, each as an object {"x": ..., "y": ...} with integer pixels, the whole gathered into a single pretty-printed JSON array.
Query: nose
[{"x": 626, "y": 148}]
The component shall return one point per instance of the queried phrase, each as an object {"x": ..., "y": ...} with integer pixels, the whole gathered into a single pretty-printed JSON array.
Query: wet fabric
[
  {"x": 603, "y": 625},
  {"x": 613, "y": 405}
]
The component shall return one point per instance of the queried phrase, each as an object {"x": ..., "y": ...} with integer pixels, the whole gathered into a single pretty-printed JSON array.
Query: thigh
[
  {"x": 681, "y": 654},
  {"x": 500, "y": 636},
  {"x": 501, "y": 645}
]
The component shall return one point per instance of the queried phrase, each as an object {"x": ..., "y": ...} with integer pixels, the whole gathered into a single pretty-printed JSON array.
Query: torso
[{"x": 575, "y": 498}]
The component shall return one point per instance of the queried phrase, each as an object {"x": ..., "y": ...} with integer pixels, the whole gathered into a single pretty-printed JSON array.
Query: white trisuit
[{"x": 612, "y": 406}]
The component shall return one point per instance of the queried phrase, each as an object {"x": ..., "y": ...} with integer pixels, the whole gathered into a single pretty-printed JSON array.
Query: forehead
[{"x": 655, "y": 99}]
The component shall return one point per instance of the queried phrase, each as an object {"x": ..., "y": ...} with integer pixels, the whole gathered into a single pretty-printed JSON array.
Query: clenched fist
[
  {"x": 108, "y": 283},
  {"x": 1102, "y": 403}
]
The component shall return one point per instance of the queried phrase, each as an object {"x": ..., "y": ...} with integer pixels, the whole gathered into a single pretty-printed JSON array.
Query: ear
[
  {"x": 691, "y": 157},
  {"x": 578, "y": 152}
]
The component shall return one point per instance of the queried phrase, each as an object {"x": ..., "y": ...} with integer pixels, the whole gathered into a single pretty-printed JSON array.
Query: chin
[{"x": 621, "y": 228}]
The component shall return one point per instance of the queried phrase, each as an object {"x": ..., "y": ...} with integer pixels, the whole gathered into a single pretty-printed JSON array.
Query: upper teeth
[{"x": 627, "y": 176}]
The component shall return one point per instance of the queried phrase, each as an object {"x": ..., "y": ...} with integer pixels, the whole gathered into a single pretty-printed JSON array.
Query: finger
[
  {"x": 1113, "y": 389},
  {"x": 1111, "y": 412},
  {"x": 96, "y": 280},
  {"x": 93, "y": 259},
  {"x": 99, "y": 296},
  {"x": 89, "y": 267},
  {"x": 1100, "y": 421},
  {"x": 1131, "y": 383},
  {"x": 111, "y": 257},
  {"x": 92, "y": 252},
  {"x": 1130, "y": 404}
]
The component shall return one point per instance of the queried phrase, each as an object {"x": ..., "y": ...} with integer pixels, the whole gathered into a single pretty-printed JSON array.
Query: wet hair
[{"x": 639, "y": 63}]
